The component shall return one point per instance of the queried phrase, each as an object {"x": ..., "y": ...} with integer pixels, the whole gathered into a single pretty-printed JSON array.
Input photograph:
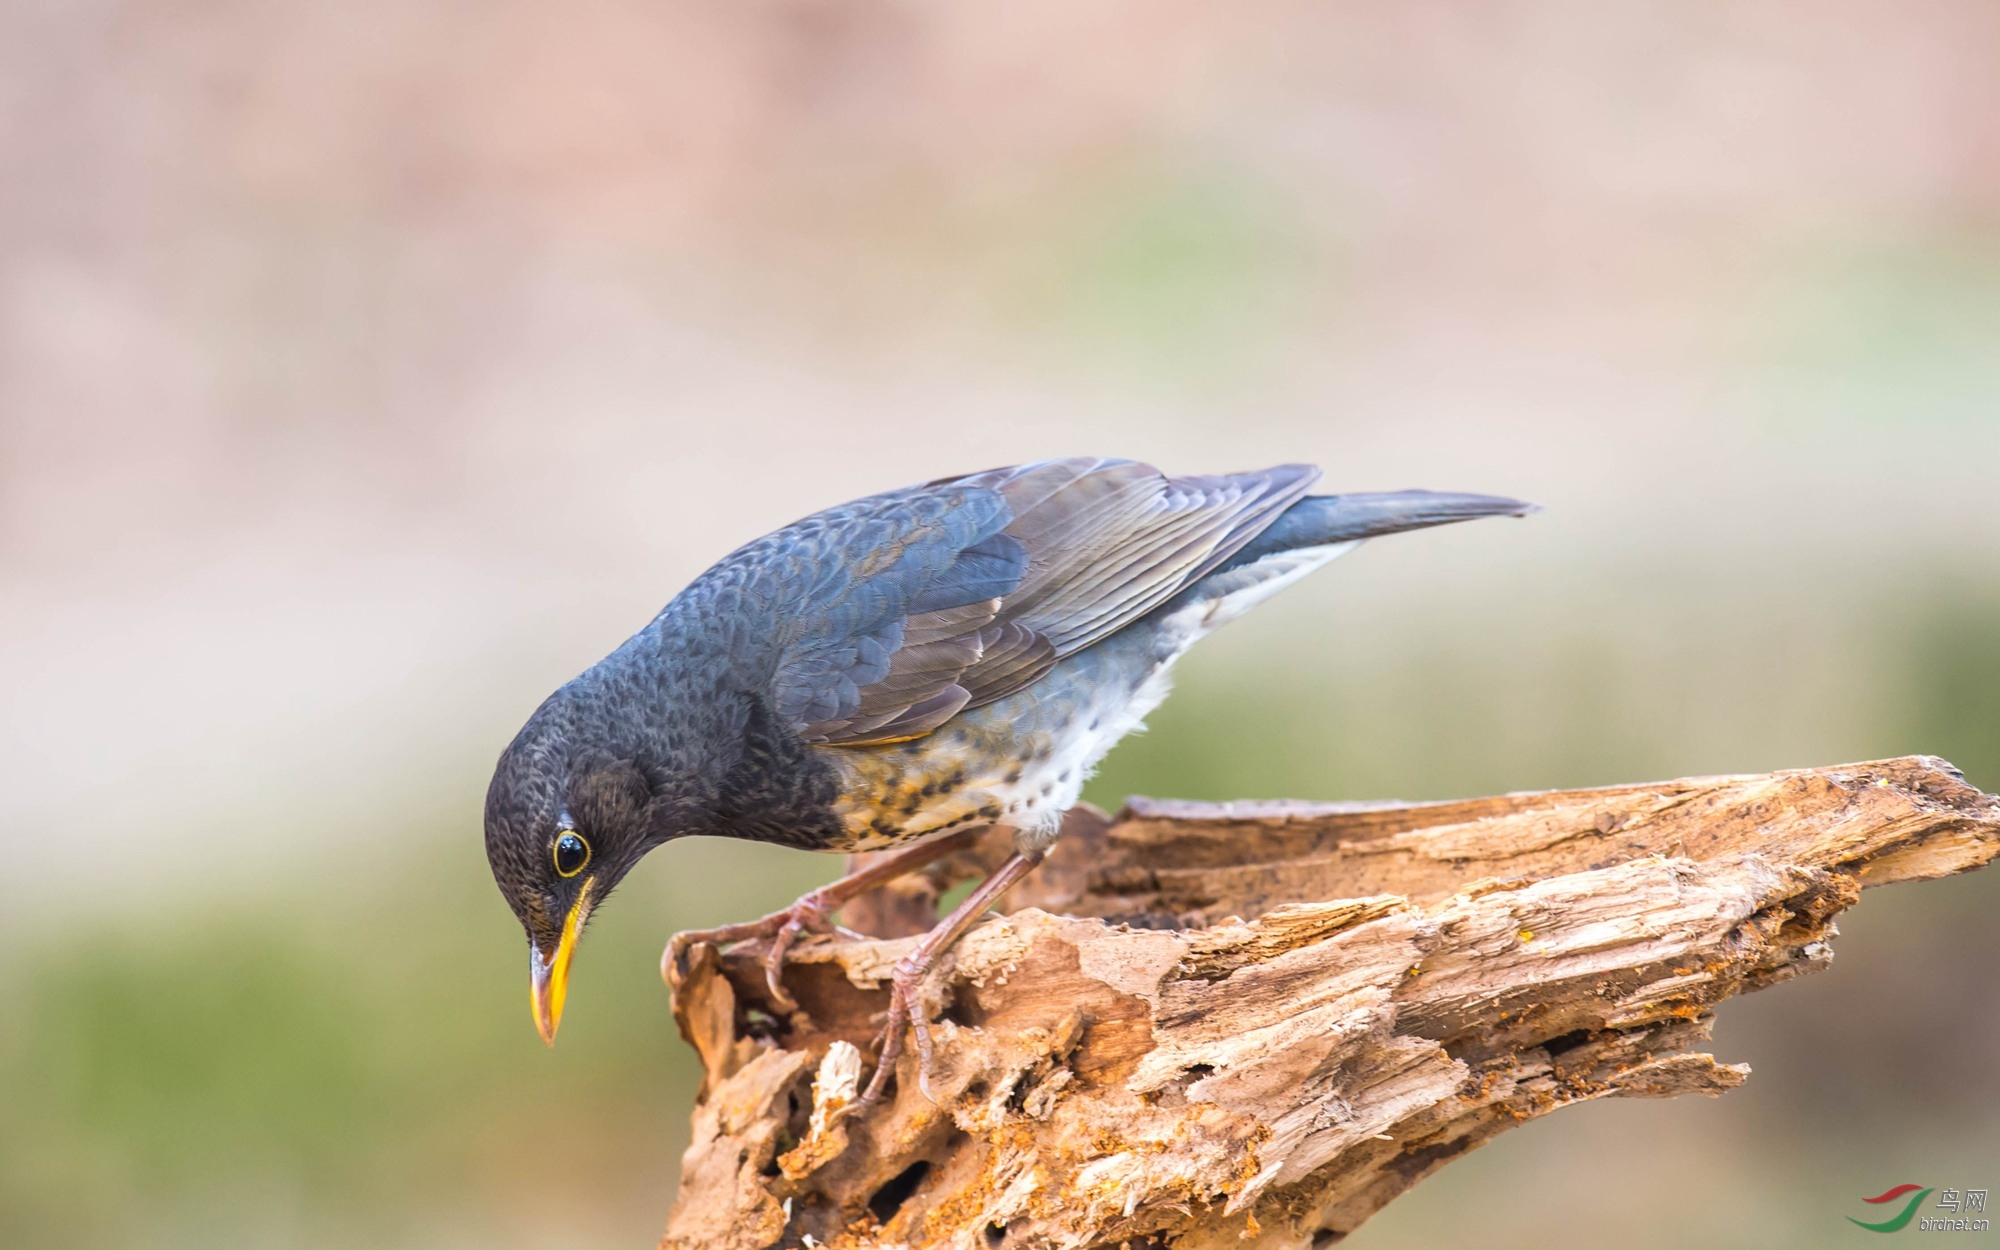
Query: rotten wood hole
[{"x": 1252, "y": 1025}]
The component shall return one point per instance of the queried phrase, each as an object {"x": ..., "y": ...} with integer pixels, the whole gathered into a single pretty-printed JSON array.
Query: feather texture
[{"x": 950, "y": 595}]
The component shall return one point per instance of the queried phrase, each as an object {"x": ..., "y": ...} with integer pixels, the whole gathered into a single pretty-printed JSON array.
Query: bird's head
[{"x": 563, "y": 827}]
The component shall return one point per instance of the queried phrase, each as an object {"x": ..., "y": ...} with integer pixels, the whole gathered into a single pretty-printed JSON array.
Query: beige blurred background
[{"x": 368, "y": 369}]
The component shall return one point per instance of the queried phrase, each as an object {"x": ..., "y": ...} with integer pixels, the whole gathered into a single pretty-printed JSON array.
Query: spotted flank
[
  {"x": 979, "y": 771},
  {"x": 1023, "y": 761}
]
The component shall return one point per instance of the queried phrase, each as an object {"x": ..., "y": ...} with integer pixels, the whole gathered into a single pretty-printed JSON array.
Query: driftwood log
[{"x": 1254, "y": 1024}]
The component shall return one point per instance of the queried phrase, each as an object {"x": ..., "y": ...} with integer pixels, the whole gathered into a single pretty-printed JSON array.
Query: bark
[{"x": 1253, "y": 1024}]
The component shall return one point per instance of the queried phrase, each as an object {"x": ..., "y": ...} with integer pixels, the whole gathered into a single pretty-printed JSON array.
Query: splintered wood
[{"x": 1253, "y": 1024}]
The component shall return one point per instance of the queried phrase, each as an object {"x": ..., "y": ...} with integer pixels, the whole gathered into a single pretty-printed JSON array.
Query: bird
[{"x": 901, "y": 672}]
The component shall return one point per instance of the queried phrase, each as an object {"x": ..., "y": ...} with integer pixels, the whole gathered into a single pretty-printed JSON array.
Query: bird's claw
[
  {"x": 905, "y": 1013},
  {"x": 674, "y": 960},
  {"x": 672, "y": 969},
  {"x": 811, "y": 913}
]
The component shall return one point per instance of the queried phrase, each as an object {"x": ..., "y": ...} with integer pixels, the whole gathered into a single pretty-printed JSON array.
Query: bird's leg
[
  {"x": 813, "y": 910},
  {"x": 906, "y": 981}
]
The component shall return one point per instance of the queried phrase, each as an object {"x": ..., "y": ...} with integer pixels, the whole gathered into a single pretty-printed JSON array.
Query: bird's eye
[{"x": 572, "y": 853}]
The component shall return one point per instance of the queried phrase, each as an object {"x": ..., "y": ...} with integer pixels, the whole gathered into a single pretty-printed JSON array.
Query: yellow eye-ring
[{"x": 572, "y": 853}]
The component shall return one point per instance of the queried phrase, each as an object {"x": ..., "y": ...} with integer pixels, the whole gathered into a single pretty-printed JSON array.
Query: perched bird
[{"x": 900, "y": 672}]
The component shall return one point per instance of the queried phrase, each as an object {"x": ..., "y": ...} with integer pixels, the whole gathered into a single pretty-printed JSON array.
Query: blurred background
[{"x": 366, "y": 370}]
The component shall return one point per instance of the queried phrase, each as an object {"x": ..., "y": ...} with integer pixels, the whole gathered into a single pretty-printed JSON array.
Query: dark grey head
[{"x": 565, "y": 821}]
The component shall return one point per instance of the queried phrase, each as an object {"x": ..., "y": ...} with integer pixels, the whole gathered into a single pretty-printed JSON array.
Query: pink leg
[
  {"x": 812, "y": 911},
  {"x": 905, "y": 1010}
]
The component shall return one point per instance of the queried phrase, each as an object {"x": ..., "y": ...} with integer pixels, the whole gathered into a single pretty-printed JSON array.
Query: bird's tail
[
  {"x": 1308, "y": 534},
  {"x": 1323, "y": 520}
]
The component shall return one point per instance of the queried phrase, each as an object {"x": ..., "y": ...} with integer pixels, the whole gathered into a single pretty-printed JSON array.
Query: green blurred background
[{"x": 368, "y": 369}]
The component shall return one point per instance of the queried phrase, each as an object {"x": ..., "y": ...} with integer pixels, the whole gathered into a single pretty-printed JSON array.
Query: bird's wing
[{"x": 904, "y": 609}]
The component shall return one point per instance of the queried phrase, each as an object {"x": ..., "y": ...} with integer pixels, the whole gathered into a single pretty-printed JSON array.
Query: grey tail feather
[{"x": 1319, "y": 520}]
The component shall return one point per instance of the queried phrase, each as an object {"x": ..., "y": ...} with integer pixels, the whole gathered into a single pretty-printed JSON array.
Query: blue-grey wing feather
[{"x": 898, "y": 611}]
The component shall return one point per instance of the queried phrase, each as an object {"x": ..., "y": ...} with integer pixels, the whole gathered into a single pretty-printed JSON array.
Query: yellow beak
[{"x": 549, "y": 978}]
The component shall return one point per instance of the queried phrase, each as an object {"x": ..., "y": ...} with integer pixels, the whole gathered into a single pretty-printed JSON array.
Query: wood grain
[{"x": 1252, "y": 1025}]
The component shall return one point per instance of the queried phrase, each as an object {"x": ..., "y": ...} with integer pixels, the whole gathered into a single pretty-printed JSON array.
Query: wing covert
[{"x": 902, "y": 610}]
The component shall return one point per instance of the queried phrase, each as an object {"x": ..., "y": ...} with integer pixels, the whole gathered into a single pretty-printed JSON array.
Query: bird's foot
[
  {"x": 812, "y": 912},
  {"x": 906, "y": 1014},
  {"x": 906, "y": 980}
]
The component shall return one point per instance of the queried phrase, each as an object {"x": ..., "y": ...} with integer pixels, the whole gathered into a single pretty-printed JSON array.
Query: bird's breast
[{"x": 1021, "y": 761}]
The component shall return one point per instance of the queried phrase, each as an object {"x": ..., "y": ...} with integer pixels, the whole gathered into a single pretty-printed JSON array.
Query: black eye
[{"x": 572, "y": 853}]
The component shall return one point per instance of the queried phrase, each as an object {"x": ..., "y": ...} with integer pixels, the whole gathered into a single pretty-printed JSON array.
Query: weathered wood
[{"x": 1252, "y": 1025}]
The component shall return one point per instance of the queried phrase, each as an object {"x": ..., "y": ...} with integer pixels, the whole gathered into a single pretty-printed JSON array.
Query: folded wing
[{"x": 904, "y": 609}]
